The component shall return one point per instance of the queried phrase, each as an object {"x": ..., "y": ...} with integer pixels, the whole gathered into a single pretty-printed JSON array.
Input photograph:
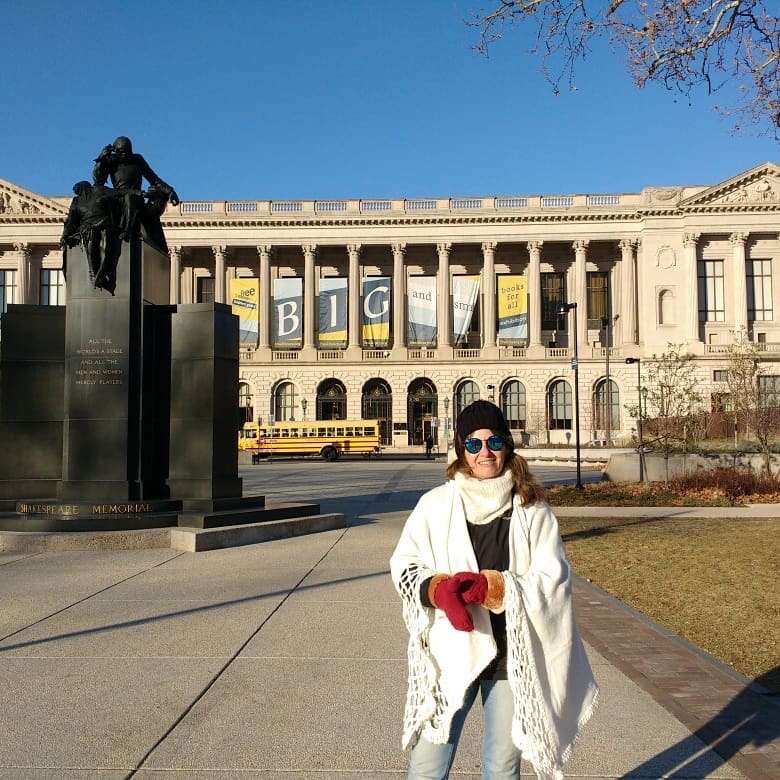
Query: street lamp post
[
  {"x": 304, "y": 403},
  {"x": 447, "y": 422},
  {"x": 642, "y": 469},
  {"x": 563, "y": 309}
]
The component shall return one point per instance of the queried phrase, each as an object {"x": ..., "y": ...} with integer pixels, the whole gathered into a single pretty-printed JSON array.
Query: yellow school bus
[{"x": 330, "y": 439}]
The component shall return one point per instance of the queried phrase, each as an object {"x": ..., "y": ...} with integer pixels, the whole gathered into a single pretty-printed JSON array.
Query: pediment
[
  {"x": 18, "y": 202},
  {"x": 758, "y": 186}
]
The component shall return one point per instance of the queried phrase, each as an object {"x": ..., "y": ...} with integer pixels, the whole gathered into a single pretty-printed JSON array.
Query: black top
[{"x": 491, "y": 548}]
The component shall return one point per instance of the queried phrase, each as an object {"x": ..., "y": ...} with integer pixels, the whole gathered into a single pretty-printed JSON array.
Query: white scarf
[
  {"x": 485, "y": 499},
  {"x": 552, "y": 684}
]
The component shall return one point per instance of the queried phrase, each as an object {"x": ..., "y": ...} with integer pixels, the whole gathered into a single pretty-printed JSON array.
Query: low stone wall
[{"x": 624, "y": 467}]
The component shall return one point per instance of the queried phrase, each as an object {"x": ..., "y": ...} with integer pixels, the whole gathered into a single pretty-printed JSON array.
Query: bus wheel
[{"x": 329, "y": 453}]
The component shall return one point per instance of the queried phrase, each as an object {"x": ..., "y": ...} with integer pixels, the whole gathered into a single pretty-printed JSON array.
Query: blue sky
[{"x": 331, "y": 99}]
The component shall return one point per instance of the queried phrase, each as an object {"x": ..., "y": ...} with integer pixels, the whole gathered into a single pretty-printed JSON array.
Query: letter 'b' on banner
[
  {"x": 287, "y": 318},
  {"x": 376, "y": 311}
]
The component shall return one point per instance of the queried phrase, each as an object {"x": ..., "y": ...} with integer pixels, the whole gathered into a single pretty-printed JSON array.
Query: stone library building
[{"x": 406, "y": 310}]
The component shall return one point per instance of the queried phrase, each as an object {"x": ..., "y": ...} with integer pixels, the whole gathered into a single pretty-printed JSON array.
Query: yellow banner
[
  {"x": 244, "y": 303},
  {"x": 512, "y": 307}
]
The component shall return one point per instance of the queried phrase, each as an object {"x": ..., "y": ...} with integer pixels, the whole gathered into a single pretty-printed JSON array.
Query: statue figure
[
  {"x": 127, "y": 171},
  {"x": 94, "y": 222}
]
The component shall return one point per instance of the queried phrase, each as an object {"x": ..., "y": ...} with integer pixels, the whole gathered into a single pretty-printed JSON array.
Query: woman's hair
[{"x": 526, "y": 484}]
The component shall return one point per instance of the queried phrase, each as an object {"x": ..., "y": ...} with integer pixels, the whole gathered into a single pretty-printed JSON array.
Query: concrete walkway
[{"x": 278, "y": 660}]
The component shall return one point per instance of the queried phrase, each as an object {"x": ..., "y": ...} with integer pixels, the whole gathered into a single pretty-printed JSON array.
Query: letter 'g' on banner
[
  {"x": 244, "y": 302},
  {"x": 376, "y": 311},
  {"x": 512, "y": 308},
  {"x": 288, "y": 307}
]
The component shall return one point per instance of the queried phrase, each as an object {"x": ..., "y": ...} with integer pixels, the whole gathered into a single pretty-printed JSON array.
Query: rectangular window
[
  {"x": 553, "y": 295},
  {"x": 7, "y": 289},
  {"x": 205, "y": 292},
  {"x": 711, "y": 294},
  {"x": 720, "y": 375},
  {"x": 52, "y": 287},
  {"x": 598, "y": 298},
  {"x": 759, "y": 289},
  {"x": 769, "y": 390}
]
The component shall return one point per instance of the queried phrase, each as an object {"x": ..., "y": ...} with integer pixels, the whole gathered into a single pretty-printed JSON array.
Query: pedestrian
[
  {"x": 429, "y": 446},
  {"x": 486, "y": 595}
]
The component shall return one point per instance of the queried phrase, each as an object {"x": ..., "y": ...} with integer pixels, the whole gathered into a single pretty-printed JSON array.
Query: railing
[
  {"x": 421, "y": 353},
  {"x": 603, "y": 200},
  {"x": 330, "y": 205},
  {"x": 511, "y": 203},
  {"x": 557, "y": 201},
  {"x": 246, "y": 354},
  {"x": 556, "y": 352},
  {"x": 375, "y": 205},
  {"x": 716, "y": 349},
  {"x": 509, "y": 353},
  {"x": 197, "y": 207},
  {"x": 286, "y": 206},
  {"x": 285, "y": 354},
  {"x": 240, "y": 206},
  {"x": 376, "y": 354},
  {"x": 465, "y": 203},
  {"x": 330, "y": 354},
  {"x": 467, "y": 354},
  {"x": 419, "y": 205},
  {"x": 601, "y": 352},
  {"x": 765, "y": 346}
]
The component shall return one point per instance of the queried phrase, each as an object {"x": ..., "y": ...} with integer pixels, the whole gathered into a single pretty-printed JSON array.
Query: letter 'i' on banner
[
  {"x": 287, "y": 317},
  {"x": 244, "y": 303},
  {"x": 465, "y": 292},
  {"x": 376, "y": 311},
  {"x": 333, "y": 311},
  {"x": 512, "y": 309},
  {"x": 422, "y": 310}
]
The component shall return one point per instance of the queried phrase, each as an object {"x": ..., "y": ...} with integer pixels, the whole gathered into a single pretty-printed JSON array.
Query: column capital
[
  {"x": 220, "y": 250},
  {"x": 489, "y": 247},
  {"x": 264, "y": 250},
  {"x": 23, "y": 247},
  {"x": 354, "y": 249},
  {"x": 174, "y": 251},
  {"x": 444, "y": 248},
  {"x": 398, "y": 249},
  {"x": 738, "y": 239},
  {"x": 628, "y": 244},
  {"x": 580, "y": 245},
  {"x": 691, "y": 239},
  {"x": 535, "y": 246},
  {"x": 309, "y": 249}
]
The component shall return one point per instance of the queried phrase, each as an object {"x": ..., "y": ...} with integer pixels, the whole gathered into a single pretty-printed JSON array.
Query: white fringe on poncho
[{"x": 551, "y": 680}]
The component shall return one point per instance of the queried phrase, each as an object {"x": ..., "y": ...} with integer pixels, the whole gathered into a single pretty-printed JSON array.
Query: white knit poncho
[{"x": 552, "y": 683}]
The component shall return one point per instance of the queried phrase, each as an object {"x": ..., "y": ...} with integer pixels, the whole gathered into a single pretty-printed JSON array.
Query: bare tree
[
  {"x": 683, "y": 45},
  {"x": 755, "y": 396},
  {"x": 671, "y": 400}
]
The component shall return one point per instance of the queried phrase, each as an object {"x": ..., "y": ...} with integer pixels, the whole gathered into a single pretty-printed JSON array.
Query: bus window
[
  {"x": 339, "y": 431},
  {"x": 351, "y": 431},
  {"x": 322, "y": 432}
]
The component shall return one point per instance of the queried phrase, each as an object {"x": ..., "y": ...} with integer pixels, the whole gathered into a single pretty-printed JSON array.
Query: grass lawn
[
  {"x": 631, "y": 494},
  {"x": 715, "y": 582}
]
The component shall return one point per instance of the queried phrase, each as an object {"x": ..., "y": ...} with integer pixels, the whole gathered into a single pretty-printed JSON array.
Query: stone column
[
  {"x": 489, "y": 298},
  {"x": 219, "y": 273},
  {"x": 175, "y": 253},
  {"x": 353, "y": 297},
  {"x": 690, "y": 241},
  {"x": 23, "y": 280},
  {"x": 738, "y": 241},
  {"x": 628, "y": 314},
  {"x": 534, "y": 296},
  {"x": 443, "y": 304},
  {"x": 399, "y": 301},
  {"x": 581, "y": 292},
  {"x": 264, "y": 318},
  {"x": 308, "y": 295}
]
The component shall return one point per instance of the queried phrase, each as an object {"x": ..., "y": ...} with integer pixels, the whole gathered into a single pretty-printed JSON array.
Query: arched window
[
  {"x": 244, "y": 394},
  {"x": 377, "y": 404},
  {"x": 606, "y": 401},
  {"x": 284, "y": 401},
  {"x": 666, "y": 307},
  {"x": 331, "y": 400},
  {"x": 465, "y": 393},
  {"x": 559, "y": 406},
  {"x": 422, "y": 403},
  {"x": 513, "y": 403}
]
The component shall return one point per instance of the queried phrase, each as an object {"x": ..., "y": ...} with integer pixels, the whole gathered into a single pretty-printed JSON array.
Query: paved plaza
[{"x": 286, "y": 659}]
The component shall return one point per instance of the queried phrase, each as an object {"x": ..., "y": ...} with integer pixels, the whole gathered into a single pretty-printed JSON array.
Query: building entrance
[
  {"x": 422, "y": 410},
  {"x": 378, "y": 405},
  {"x": 331, "y": 400}
]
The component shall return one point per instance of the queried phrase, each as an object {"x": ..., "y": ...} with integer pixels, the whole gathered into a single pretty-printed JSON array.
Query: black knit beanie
[{"x": 480, "y": 414}]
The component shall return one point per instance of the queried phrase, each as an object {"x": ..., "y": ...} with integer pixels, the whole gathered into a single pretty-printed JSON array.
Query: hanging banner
[
  {"x": 288, "y": 312},
  {"x": 465, "y": 292},
  {"x": 512, "y": 308},
  {"x": 333, "y": 311},
  {"x": 244, "y": 303},
  {"x": 422, "y": 310},
  {"x": 376, "y": 312}
]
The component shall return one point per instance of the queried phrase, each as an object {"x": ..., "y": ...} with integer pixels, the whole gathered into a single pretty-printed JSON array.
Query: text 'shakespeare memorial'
[{"x": 120, "y": 411}]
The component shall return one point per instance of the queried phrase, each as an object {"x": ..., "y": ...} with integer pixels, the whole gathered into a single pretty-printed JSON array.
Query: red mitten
[
  {"x": 473, "y": 586},
  {"x": 447, "y": 597}
]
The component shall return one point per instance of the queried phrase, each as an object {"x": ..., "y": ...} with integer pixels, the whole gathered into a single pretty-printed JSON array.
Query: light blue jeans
[{"x": 500, "y": 758}]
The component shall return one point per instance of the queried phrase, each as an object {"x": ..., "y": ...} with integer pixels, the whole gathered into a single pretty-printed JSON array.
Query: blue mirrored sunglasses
[{"x": 495, "y": 443}]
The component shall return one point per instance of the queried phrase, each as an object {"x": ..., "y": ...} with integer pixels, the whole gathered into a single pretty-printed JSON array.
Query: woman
[{"x": 486, "y": 594}]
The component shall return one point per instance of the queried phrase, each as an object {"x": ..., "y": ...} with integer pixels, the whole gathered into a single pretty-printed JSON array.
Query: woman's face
[{"x": 486, "y": 464}]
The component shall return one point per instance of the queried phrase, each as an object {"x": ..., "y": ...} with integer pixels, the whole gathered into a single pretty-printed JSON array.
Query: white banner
[
  {"x": 422, "y": 310},
  {"x": 465, "y": 292}
]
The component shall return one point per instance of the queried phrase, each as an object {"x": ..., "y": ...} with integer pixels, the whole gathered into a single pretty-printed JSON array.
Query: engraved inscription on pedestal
[{"x": 100, "y": 363}]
